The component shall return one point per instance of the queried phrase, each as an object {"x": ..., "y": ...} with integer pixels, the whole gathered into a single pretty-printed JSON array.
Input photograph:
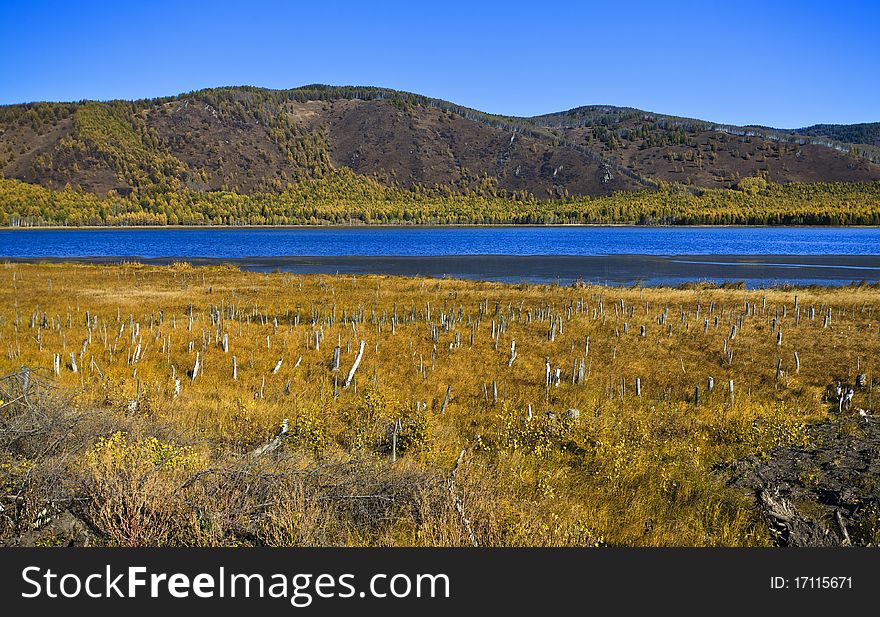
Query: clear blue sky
[{"x": 781, "y": 63}]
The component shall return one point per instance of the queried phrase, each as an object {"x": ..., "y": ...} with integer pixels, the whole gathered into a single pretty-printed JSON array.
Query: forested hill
[
  {"x": 866, "y": 133},
  {"x": 254, "y": 141}
]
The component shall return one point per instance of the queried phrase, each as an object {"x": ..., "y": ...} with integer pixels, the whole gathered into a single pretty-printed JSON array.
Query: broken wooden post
[
  {"x": 25, "y": 379},
  {"x": 446, "y": 399},
  {"x": 512, "y": 353},
  {"x": 234, "y": 369},
  {"x": 196, "y": 367},
  {"x": 334, "y": 365}
]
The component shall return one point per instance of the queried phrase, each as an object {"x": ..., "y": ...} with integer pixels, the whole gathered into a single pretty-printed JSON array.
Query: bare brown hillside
[{"x": 250, "y": 139}]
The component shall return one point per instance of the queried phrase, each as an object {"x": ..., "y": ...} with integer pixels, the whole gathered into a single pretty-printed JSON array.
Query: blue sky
[{"x": 780, "y": 63}]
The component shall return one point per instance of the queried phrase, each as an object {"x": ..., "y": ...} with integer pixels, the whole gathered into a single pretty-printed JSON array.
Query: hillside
[
  {"x": 251, "y": 140},
  {"x": 704, "y": 154},
  {"x": 866, "y": 133}
]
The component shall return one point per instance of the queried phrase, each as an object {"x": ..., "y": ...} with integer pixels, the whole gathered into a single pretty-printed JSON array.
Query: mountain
[
  {"x": 866, "y": 133},
  {"x": 711, "y": 155},
  {"x": 249, "y": 140}
]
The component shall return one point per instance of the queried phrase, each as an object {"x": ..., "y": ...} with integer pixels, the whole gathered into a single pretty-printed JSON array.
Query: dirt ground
[{"x": 826, "y": 494}]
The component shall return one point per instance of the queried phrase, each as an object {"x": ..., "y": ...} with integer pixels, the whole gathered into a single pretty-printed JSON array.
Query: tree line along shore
[{"x": 344, "y": 198}]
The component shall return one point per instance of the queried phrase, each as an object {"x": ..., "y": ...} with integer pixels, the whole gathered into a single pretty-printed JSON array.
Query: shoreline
[
  {"x": 417, "y": 226},
  {"x": 624, "y": 269}
]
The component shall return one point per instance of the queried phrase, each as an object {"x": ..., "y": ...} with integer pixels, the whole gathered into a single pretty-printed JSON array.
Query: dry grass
[{"x": 158, "y": 467}]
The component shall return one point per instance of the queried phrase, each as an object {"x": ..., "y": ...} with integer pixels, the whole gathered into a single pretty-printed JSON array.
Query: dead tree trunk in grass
[
  {"x": 446, "y": 399},
  {"x": 334, "y": 366},
  {"x": 94, "y": 365},
  {"x": 275, "y": 443},
  {"x": 354, "y": 366},
  {"x": 459, "y": 506}
]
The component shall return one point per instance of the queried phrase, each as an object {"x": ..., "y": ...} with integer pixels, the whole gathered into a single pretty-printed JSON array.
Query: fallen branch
[
  {"x": 275, "y": 443},
  {"x": 459, "y": 507}
]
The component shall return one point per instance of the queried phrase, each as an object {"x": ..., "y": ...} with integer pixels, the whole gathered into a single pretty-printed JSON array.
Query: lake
[{"x": 609, "y": 254}]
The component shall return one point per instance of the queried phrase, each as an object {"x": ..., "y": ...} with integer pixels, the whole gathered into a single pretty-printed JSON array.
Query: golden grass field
[{"x": 149, "y": 454}]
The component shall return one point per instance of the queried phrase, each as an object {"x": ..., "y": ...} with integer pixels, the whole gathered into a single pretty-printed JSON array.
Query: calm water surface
[
  {"x": 238, "y": 243},
  {"x": 614, "y": 255}
]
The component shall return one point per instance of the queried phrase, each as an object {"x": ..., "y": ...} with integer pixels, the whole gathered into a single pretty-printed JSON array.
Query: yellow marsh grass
[{"x": 626, "y": 469}]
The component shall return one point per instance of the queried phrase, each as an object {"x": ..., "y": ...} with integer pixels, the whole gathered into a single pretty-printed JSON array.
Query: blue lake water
[
  {"x": 615, "y": 255},
  {"x": 396, "y": 241}
]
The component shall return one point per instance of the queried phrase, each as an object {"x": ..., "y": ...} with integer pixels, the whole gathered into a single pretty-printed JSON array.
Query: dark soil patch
[{"x": 827, "y": 494}]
